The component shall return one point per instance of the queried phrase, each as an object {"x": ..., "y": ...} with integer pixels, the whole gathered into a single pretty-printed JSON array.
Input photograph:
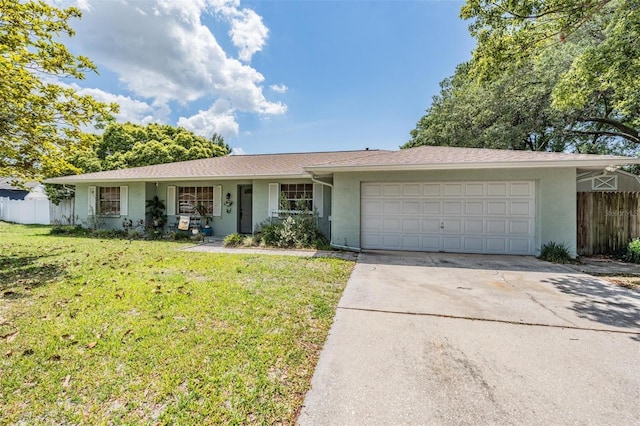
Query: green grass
[{"x": 116, "y": 332}]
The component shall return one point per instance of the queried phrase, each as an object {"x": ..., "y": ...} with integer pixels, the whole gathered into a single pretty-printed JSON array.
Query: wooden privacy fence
[{"x": 607, "y": 221}]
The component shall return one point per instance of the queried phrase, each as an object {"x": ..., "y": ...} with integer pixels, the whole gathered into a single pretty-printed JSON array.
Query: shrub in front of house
[
  {"x": 555, "y": 252},
  {"x": 294, "y": 231},
  {"x": 233, "y": 240},
  {"x": 633, "y": 251}
]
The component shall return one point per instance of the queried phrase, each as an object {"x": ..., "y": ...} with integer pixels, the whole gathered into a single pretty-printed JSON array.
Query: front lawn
[{"x": 112, "y": 331}]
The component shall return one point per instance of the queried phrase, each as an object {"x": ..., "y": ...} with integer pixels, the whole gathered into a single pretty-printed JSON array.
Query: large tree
[
  {"x": 132, "y": 145},
  {"x": 600, "y": 86},
  {"x": 545, "y": 75},
  {"x": 41, "y": 119}
]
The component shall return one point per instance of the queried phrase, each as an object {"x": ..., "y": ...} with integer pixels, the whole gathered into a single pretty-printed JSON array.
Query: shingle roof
[
  {"x": 431, "y": 157},
  {"x": 235, "y": 166},
  {"x": 302, "y": 164}
]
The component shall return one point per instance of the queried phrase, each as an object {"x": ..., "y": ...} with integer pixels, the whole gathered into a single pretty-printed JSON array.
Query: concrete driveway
[{"x": 471, "y": 339}]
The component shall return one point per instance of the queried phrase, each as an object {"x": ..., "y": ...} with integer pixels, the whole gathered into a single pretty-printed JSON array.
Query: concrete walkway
[
  {"x": 469, "y": 339},
  {"x": 218, "y": 247}
]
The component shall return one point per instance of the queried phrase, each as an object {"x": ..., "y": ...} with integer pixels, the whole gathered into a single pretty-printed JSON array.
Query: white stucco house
[{"x": 424, "y": 199}]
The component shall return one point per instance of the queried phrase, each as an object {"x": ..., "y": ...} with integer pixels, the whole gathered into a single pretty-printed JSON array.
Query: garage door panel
[
  {"x": 431, "y": 242},
  {"x": 411, "y": 207},
  {"x": 411, "y": 242},
  {"x": 411, "y": 226},
  {"x": 498, "y": 189},
  {"x": 497, "y": 208},
  {"x": 371, "y": 190},
  {"x": 474, "y": 208},
  {"x": 521, "y": 227},
  {"x": 431, "y": 189},
  {"x": 431, "y": 225},
  {"x": 476, "y": 217},
  {"x": 520, "y": 246},
  {"x": 391, "y": 224},
  {"x": 392, "y": 190},
  {"x": 521, "y": 208},
  {"x": 496, "y": 226},
  {"x": 432, "y": 208},
  {"x": 391, "y": 207},
  {"x": 473, "y": 244},
  {"x": 521, "y": 189},
  {"x": 474, "y": 189},
  {"x": 371, "y": 223},
  {"x": 411, "y": 189},
  {"x": 473, "y": 226},
  {"x": 496, "y": 245},
  {"x": 450, "y": 243},
  {"x": 453, "y": 189},
  {"x": 452, "y": 226},
  {"x": 371, "y": 240},
  {"x": 392, "y": 242},
  {"x": 372, "y": 207},
  {"x": 452, "y": 207}
]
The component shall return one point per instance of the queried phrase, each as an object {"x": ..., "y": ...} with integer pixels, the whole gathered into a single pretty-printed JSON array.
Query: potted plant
[
  {"x": 202, "y": 211},
  {"x": 155, "y": 211}
]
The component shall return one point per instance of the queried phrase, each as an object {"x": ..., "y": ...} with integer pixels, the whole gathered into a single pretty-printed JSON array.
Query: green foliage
[
  {"x": 69, "y": 230},
  {"x": 250, "y": 241},
  {"x": 269, "y": 233},
  {"x": 633, "y": 251},
  {"x": 597, "y": 44},
  {"x": 133, "y": 145},
  {"x": 233, "y": 240},
  {"x": 41, "y": 121},
  {"x": 294, "y": 231},
  {"x": 155, "y": 211},
  {"x": 555, "y": 252}
]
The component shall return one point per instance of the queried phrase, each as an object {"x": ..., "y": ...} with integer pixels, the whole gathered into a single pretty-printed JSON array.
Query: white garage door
[{"x": 467, "y": 217}]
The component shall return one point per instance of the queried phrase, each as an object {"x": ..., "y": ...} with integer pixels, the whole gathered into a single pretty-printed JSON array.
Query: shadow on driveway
[{"x": 599, "y": 301}]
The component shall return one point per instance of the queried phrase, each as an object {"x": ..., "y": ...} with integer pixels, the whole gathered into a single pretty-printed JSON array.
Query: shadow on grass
[
  {"x": 600, "y": 302},
  {"x": 19, "y": 274}
]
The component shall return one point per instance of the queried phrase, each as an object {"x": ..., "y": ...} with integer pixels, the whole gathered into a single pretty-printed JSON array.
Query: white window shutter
[
  {"x": 318, "y": 198},
  {"x": 217, "y": 200},
  {"x": 92, "y": 198},
  {"x": 171, "y": 200},
  {"x": 124, "y": 200},
  {"x": 274, "y": 199}
]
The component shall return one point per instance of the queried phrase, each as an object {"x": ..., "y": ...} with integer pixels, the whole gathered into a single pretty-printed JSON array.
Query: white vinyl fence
[{"x": 35, "y": 211}]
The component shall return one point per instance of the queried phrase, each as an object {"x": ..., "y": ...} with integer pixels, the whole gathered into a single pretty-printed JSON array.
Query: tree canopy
[
  {"x": 133, "y": 145},
  {"x": 41, "y": 119},
  {"x": 545, "y": 75}
]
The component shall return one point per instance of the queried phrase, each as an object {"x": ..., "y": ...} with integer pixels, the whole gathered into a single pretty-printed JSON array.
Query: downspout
[{"x": 336, "y": 246}]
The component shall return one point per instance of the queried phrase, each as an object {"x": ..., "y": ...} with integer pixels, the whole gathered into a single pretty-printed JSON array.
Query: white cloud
[
  {"x": 162, "y": 52},
  {"x": 237, "y": 151},
  {"x": 132, "y": 110},
  {"x": 279, "y": 88},
  {"x": 219, "y": 119}
]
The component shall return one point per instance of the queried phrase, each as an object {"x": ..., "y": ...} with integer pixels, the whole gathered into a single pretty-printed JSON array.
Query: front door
[{"x": 245, "y": 219}]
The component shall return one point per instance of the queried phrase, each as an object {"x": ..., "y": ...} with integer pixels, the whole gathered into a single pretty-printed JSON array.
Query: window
[
  {"x": 293, "y": 194},
  {"x": 190, "y": 196},
  {"x": 109, "y": 200}
]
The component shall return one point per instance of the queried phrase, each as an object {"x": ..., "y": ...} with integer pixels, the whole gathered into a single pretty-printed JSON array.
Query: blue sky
[{"x": 273, "y": 76}]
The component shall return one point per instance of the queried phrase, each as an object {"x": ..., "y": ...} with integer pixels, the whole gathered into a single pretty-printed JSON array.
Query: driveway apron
[{"x": 435, "y": 338}]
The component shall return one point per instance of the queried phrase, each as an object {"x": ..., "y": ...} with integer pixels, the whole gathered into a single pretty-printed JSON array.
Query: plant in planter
[
  {"x": 155, "y": 211},
  {"x": 203, "y": 212}
]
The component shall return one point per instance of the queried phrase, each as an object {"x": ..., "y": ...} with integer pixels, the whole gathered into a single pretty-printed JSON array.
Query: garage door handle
[{"x": 442, "y": 226}]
